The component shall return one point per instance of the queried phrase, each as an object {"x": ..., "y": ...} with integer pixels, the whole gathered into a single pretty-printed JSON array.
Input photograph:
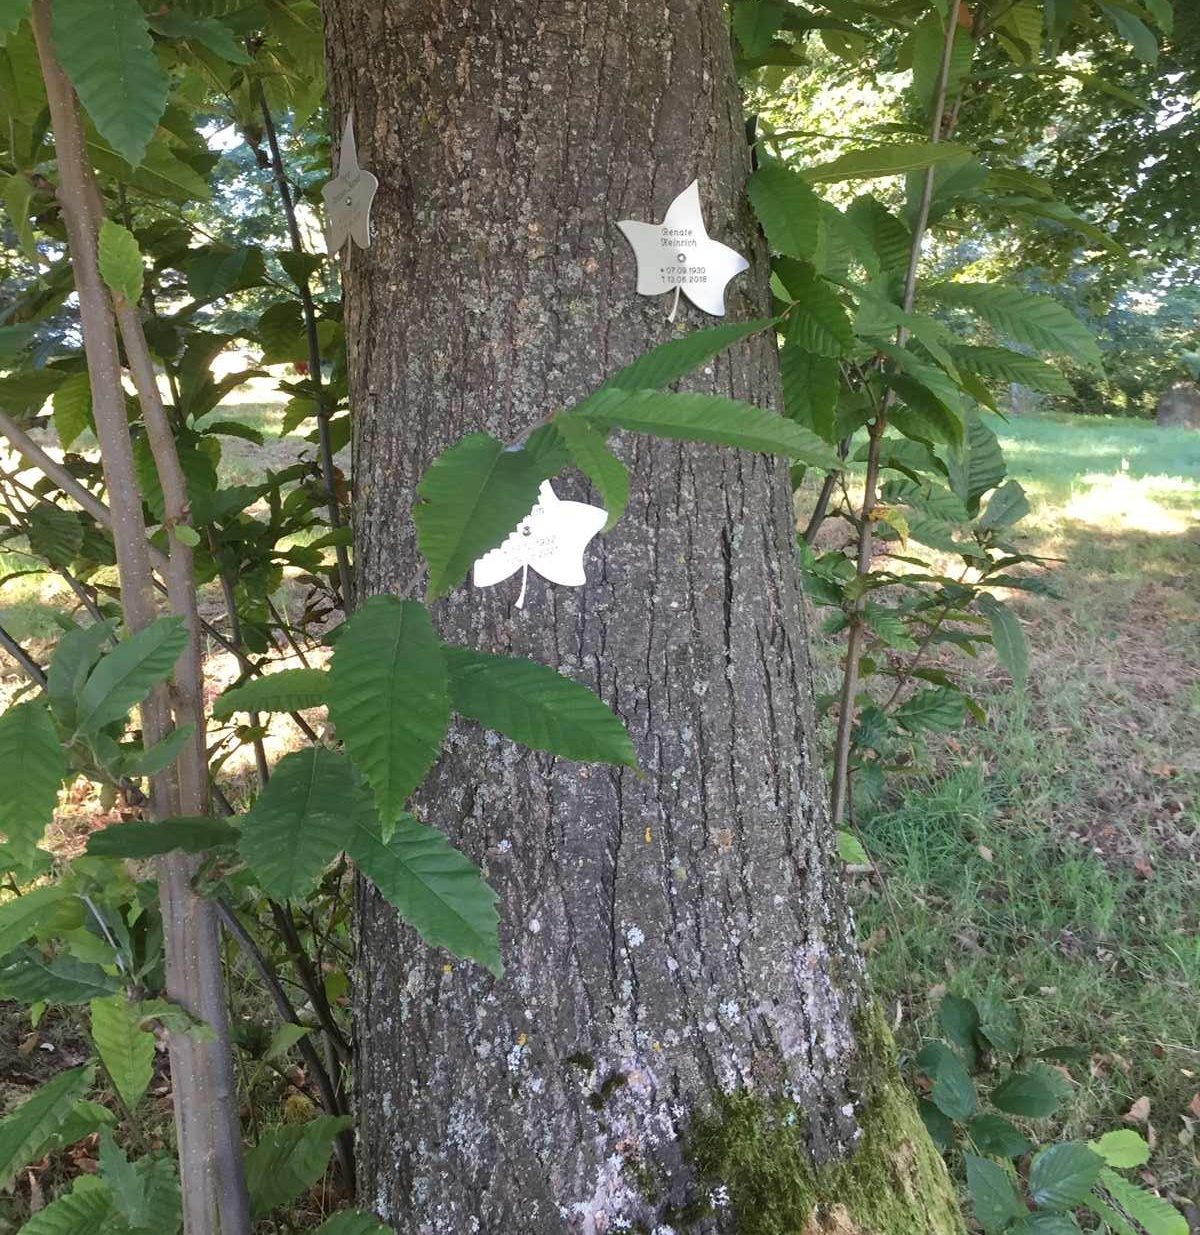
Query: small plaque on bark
[
  {"x": 679, "y": 254},
  {"x": 550, "y": 540},
  {"x": 348, "y": 197}
]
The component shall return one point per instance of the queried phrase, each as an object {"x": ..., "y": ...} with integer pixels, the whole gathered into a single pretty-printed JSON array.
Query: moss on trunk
[{"x": 754, "y": 1157}]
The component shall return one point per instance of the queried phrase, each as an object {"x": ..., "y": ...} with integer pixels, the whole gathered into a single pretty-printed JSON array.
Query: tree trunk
[{"x": 683, "y": 1029}]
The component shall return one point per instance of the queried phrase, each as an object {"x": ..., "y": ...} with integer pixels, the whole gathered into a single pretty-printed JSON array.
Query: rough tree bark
[{"x": 682, "y": 1040}]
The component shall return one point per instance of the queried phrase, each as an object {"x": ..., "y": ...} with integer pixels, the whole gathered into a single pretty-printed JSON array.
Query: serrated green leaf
[
  {"x": 472, "y": 497},
  {"x": 996, "y": 1201},
  {"x": 28, "y": 977},
  {"x": 536, "y": 706},
  {"x": 995, "y": 1136},
  {"x": 1033, "y": 1094},
  {"x": 1000, "y": 1024},
  {"x": 709, "y": 418},
  {"x": 300, "y": 821},
  {"x": 147, "y": 838},
  {"x": 124, "y": 676},
  {"x": 288, "y": 1160},
  {"x": 54, "y": 533},
  {"x": 214, "y": 270},
  {"x": 389, "y": 696},
  {"x": 878, "y": 161},
  {"x": 940, "y": 707},
  {"x": 594, "y": 459},
  {"x": 953, "y": 1090},
  {"x": 1008, "y": 505},
  {"x": 755, "y": 23},
  {"x": 818, "y": 321},
  {"x": 435, "y": 888},
  {"x": 72, "y": 403},
  {"x": 676, "y": 358},
  {"x": 1005, "y": 365},
  {"x": 120, "y": 262},
  {"x": 1037, "y": 321},
  {"x": 25, "y": 1129},
  {"x": 105, "y": 48},
  {"x": 160, "y": 174},
  {"x": 1062, "y": 1175},
  {"x": 82, "y": 1211},
  {"x": 284, "y": 1038},
  {"x": 149, "y": 761},
  {"x": 128, "y": 1188},
  {"x": 1133, "y": 30},
  {"x": 76, "y": 653},
  {"x": 888, "y": 626},
  {"x": 24, "y": 392},
  {"x": 810, "y": 390},
  {"x": 23, "y": 915},
  {"x": 959, "y": 1019},
  {"x": 976, "y": 464},
  {"x": 206, "y": 31},
  {"x": 290, "y": 690},
  {"x": 1156, "y": 1216},
  {"x": 1122, "y": 1147},
  {"x": 889, "y": 237},
  {"x": 32, "y": 766},
  {"x": 1008, "y": 638},
  {"x": 125, "y": 1048},
  {"x": 787, "y": 208}
]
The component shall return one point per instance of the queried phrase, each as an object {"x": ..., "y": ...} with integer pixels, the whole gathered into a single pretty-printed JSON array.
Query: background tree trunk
[{"x": 681, "y": 967}]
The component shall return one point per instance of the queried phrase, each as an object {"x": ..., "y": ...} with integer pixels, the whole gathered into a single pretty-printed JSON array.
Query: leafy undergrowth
[{"x": 1052, "y": 856}]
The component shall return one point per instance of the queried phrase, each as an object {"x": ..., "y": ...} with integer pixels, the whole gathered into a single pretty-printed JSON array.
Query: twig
[{"x": 29, "y": 666}]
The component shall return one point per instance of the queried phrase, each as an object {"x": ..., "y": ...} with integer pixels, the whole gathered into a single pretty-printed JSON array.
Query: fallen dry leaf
[{"x": 1138, "y": 1113}]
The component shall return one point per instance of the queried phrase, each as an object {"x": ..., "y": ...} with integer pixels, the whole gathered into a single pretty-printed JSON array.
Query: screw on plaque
[{"x": 348, "y": 197}]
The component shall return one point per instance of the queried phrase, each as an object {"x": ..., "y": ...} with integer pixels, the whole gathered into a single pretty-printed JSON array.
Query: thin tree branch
[{"x": 29, "y": 666}]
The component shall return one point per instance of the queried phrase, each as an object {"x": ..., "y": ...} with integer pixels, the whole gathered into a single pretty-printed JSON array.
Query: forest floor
[{"x": 1050, "y": 856}]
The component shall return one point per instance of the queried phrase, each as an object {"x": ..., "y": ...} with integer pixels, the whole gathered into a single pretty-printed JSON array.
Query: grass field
[{"x": 1053, "y": 856}]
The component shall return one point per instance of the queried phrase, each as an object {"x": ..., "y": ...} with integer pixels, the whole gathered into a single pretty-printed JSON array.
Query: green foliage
[
  {"x": 120, "y": 262},
  {"x": 787, "y": 208},
  {"x": 106, "y": 51},
  {"x": 287, "y": 1160},
  {"x": 594, "y": 459},
  {"x": 26, "y": 914},
  {"x": 149, "y": 838},
  {"x": 389, "y": 697},
  {"x": 126, "y": 1049},
  {"x": 433, "y": 886},
  {"x": 125, "y": 676},
  {"x": 24, "y": 1130},
  {"x": 351, "y": 1223},
  {"x": 536, "y": 706},
  {"x": 82, "y": 1211},
  {"x": 290, "y": 690},
  {"x": 32, "y": 767}
]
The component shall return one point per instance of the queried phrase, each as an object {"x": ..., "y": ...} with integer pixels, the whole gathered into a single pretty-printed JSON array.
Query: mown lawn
[{"x": 1052, "y": 856}]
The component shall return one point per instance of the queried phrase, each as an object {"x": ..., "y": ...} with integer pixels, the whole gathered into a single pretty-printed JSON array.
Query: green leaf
[
  {"x": 940, "y": 1129},
  {"x": 1133, "y": 30},
  {"x": 1156, "y": 1216},
  {"x": 959, "y": 1019},
  {"x": 1034, "y": 1094},
  {"x": 290, "y": 690},
  {"x": 72, "y": 403},
  {"x": 28, "y": 977},
  {"x": 709, "y": 418},
  {"x": 106, "y": 50},
  {"x": 810, "y": 390},
  {"x": 1046, "y": 1224},
  {"x": 1006, "y": 365},
  {"x": 55, "y": 534},
  {"x": 850, "y": 849},
  {"x": 594, "y": 459},
  {"x": 206, "y": 31},
  {"x": 819, "y": 322},
  {"x": 953, "y": 1090},
  {"x": 288, "y": 1160},
  {"x": 1008, "y": 505},
  {"x": 755, "y": 23},
  {"x": 12, "y": 14},
  {"x": 125, "y": 676},
  {"x": 1122, "y": 1147},
  {"x": 1036, "y": 321},
  {"x": 1000, "y": 1024},
  {"x": 82, "y": 1211},
  {"x": 159, "y": 175},
  {"x": 536, "y": 706},
  {"x": 151, "y": 760},
  {"x": 23, "y": 915},
  {"x": 787, "y": 208},
  {"x": 1008, "y": 638},
  {"x": 125, "y": 1048},
  {"x": 996, "y": 1201},
  {"x": 120, "y": 262},
  {"x": 128, "y": 1188},
  {"x": 889, "y": 237},
  {"x": 32, "y": 766},
  {"x": 941, "y": 707},
  {"x": 22, "y": 393},
  {"x": 284, "y": 1038},
  {"x": 888, "y": 626},
  {"x": 976, "y": 464},
  {"x": 1062, "y": 1175},
  {"x": 435, "y": 889},
  {"x": 25, "y": 1129},
  {"x": 147, "y": 838},
  {"x": 389, "y": 696},
  {"x": 76, "y": 653},
  {"x": 995, "y": 1136},
  {"x": 351, "y": 1222},
  {"x": 472, "y": 497},
  {"x": 892, "y": 160},
  {"x": 300, "y": 821},
  {"x": 214, "y": 270},
  {"x": 18, "y": 196},
  {"x": 676, "y": 358}
]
